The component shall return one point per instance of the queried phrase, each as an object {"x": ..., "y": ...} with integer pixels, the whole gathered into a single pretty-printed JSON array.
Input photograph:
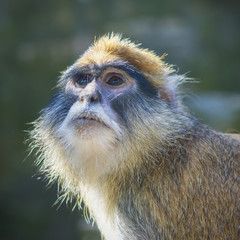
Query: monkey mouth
[{"x": 86, "y": 121}]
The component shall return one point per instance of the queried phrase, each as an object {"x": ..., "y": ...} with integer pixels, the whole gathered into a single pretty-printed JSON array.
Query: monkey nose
[{"x": 90, "y": 98}]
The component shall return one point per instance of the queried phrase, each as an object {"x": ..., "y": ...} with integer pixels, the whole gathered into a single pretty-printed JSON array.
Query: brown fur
[{"x": 191, "y": 193}]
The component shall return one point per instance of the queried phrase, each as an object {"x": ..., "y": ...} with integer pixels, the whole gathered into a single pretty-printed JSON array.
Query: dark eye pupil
[{"x": 115, "y": 81}]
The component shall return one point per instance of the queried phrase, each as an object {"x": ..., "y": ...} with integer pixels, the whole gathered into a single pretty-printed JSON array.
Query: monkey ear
[
  {"x": 169, "y": 92},
  {"x": 168, "y": 96}
]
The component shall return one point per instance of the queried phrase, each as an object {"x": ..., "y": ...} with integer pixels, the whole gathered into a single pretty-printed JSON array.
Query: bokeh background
[{"x": 39, "y": 39}]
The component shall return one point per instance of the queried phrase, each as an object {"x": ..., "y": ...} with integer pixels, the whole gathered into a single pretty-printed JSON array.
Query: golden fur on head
[{"x": 113, "y": 47}]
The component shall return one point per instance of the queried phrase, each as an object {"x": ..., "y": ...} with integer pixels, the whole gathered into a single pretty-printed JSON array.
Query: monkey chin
[
  {"x": 95, "y": 133},
  {"x": 91, "y": 145}
]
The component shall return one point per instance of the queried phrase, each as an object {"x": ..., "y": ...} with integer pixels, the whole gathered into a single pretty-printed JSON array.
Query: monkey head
[{"x": 111, "y": 102}]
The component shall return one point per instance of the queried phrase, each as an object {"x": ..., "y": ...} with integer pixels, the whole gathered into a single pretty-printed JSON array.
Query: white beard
[{"x": 90, "y": 145}]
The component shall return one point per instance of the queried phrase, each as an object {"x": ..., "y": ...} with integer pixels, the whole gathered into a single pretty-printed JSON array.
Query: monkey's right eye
[{"x": 82, "y": 80}]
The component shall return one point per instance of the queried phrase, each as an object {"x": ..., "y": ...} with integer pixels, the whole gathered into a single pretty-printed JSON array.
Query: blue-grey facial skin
[{"x": 124, "y": 105}]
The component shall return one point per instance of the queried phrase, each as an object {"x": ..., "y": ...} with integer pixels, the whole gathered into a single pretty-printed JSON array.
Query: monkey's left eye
[{"x": 115, "y": 81}]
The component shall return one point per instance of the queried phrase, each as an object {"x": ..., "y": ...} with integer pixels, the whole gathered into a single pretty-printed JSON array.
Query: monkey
[{"x": 117, "y": 137}]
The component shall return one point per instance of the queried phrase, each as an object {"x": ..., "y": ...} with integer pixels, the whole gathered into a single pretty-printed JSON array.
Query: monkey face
[
  {"x": 93, "y": 90},
  {"x": 97, "y": 111}
]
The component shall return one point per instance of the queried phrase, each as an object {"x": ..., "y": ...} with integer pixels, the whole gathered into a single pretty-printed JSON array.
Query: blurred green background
[{"x": 39, "y": 39}]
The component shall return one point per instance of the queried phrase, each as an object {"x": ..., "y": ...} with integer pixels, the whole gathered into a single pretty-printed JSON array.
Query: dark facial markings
[{"x": 58, "y": 108}]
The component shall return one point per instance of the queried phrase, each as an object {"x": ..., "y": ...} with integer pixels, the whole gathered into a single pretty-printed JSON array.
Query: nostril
[{"x": 93, "y": 99}]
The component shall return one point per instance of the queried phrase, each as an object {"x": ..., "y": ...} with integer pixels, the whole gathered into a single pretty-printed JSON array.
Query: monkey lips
[{"x": 89, "y": 125}]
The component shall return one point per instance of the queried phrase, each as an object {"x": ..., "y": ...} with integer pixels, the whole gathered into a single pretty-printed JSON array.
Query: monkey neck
[{"x": 144, "y": 166}]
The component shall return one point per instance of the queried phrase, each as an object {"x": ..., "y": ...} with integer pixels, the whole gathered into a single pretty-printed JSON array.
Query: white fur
[
  {"x": 90, "y": 149},
  {"x": 93, "y": 197}
]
